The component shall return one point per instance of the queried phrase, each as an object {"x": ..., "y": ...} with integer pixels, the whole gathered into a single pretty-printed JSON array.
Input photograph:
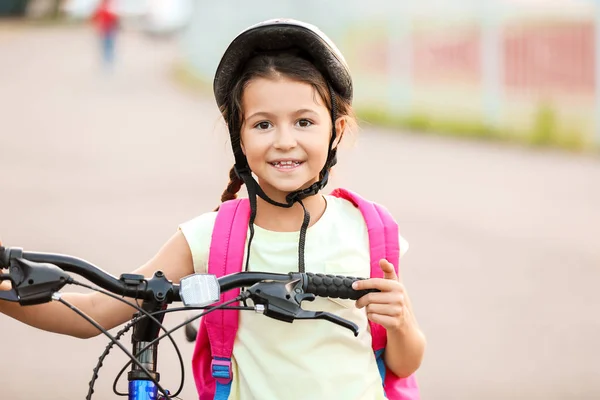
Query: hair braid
[{"x": 233, "y": 187}]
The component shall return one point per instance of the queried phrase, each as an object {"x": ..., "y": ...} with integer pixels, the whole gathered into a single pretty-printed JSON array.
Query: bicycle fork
[{"x": 145, "y": 331}]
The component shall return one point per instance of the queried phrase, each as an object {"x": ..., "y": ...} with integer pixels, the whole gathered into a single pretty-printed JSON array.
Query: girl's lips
[{"x": 286, "y": 166}]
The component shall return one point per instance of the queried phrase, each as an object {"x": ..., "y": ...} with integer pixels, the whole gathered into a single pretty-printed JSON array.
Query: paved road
[{"x": 504, "y": 262}]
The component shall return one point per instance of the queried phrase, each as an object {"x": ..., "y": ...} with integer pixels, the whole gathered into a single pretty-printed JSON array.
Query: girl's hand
[{"x": 389, "y": 306}]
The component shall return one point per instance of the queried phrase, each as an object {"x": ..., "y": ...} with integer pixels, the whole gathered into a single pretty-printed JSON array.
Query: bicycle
[{"x": 37, "y": 278}]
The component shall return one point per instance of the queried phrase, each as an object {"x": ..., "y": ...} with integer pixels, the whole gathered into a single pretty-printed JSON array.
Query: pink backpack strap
[
  {"x": 383, "y": 243},
  {"x": 226, "y": 257}
]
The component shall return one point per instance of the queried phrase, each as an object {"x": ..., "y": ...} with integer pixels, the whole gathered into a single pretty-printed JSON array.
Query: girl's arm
[
  {"x": 391, "y": 308},
  {"x": 174, "y": 259},
  {"x": 405, "y": 345}
]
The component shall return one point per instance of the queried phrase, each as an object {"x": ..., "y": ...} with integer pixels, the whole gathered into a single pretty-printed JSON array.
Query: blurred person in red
[{"x": 107, "y": 24}]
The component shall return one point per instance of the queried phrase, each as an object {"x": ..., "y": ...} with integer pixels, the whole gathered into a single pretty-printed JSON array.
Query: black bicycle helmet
[
  {"x": 272, "y": 36},
  {"x": 280, "y": 35}
]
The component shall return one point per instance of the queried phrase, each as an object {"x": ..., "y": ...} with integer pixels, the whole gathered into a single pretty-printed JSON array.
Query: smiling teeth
[{"x": 286, "y": 164}]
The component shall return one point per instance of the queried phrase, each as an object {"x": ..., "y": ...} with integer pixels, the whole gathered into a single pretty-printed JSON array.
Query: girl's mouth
[{"x": 286, "y": 165}]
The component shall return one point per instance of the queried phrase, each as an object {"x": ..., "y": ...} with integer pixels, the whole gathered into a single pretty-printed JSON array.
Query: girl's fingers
[
  {"x": 392, "y": 310},
  {"x": 381, "y": 298},
  {"x": 384, "y": 320},
  {"x": 378, "y": 283}
]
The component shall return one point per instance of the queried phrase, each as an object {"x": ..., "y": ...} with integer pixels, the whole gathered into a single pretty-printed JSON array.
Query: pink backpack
[{"x": 211, "y": 362}]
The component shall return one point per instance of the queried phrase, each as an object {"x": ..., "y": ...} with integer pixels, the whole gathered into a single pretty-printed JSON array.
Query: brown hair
[{"x": 271, "y": 66}]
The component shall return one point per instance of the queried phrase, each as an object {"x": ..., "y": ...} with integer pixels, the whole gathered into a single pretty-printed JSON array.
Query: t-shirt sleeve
[
  {"x": 198, "y": 233},
  {"x": 403, "y": 246}
]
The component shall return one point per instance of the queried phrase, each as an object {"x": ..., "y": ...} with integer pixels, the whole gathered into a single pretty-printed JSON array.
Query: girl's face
[{"x": 285, "y": 134}]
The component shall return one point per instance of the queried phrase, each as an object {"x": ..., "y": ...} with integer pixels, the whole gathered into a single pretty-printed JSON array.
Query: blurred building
[{"x": 519, "y": 69}]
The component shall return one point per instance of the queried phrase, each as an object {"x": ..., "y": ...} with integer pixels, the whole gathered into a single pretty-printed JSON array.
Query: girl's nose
[{"x": 284, "y": 139}]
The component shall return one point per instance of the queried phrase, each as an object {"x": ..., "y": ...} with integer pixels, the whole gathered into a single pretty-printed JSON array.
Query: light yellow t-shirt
[{"x": 313, "y": 359}]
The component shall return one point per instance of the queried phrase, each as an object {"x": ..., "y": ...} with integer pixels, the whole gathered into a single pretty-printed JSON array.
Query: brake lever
[
  {"x": 282, "y": 301},
  {"x": 32, "y": 283},
  {"x": 329, "y": 317}
]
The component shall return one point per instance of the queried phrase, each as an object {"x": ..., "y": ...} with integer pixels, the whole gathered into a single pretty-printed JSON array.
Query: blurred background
[{"x": 479, "y": 130}]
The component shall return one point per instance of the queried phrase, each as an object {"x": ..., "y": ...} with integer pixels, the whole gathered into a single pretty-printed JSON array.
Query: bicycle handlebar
[{"x": 36, "y": 275}]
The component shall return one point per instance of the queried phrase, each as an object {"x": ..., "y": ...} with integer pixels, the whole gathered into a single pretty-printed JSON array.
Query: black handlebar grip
[{"x": 334, "y": 286}]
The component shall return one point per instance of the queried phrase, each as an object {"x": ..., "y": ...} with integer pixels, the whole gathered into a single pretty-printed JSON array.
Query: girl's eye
[
  {"x": 263, "y": 125},
  {"x": 304, "y": 123}
]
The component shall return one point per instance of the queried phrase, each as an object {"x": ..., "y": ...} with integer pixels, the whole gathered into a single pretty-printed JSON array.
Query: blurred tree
[
  {"x": 56, "y": 8},
  {"x": 44, "y": 9},
  {"x": 13, "y": 8}
]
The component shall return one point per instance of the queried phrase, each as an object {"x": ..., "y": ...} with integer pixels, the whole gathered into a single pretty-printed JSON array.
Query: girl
[{"x": 285, "y": 92}]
